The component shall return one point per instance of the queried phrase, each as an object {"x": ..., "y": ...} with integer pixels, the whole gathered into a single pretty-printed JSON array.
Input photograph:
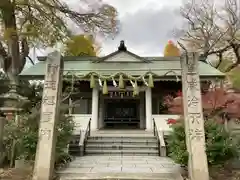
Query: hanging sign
[{"x": 121, "y": 94}]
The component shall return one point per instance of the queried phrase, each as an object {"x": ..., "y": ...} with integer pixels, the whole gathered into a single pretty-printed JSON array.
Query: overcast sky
[{"x": 146, "y": 25}]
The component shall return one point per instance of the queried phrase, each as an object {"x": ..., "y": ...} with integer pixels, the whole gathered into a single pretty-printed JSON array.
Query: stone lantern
[{"x": 12, "y": 105}]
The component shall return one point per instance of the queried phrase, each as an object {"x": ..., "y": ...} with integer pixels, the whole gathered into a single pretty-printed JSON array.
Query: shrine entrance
[{"x": 122, "y": 114}]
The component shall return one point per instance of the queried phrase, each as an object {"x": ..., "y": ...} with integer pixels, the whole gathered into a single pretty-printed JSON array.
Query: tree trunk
[
  {"x": 236, "y": 50},
  {"x": 2, "y": 151},
  {"x": 9, "y": 20},
  {"x": 10, "y": 26}
]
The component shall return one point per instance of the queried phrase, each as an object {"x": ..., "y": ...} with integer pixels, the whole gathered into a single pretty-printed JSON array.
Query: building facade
[{"x": 121, "y": 90}]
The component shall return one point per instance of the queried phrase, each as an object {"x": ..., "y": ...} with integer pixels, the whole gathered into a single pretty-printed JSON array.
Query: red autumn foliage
[
  {"x": 179, "y": 93},
  {"x": 215, "y": 102},
  {"x": 171, "y": 121}
]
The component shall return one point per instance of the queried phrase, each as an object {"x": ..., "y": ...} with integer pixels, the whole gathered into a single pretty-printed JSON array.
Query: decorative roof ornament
[
  {"x": 122, "y": 46},
  {"x": 171, "y": 50},
  {"x": 121, "y": 82},
  {"x": 135, "y": 89},
  {"x": 105, "y": 87},
  {"x": 92, "y": 81},
  {"x": 150, "y": 81}
]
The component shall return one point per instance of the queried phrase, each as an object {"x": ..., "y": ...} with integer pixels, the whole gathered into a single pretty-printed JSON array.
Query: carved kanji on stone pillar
[
  {"x": 193, "y": 116},
  {"x": 45, "y": 155}
]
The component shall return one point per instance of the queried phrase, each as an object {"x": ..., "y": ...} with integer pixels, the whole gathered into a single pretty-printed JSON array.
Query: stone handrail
[
  {"x": 163, "y": 149},
  {"x": 84, "y": 133},
  {"x": 160, "y": 137}
]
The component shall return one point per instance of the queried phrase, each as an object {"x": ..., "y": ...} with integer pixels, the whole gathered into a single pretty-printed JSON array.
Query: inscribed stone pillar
[
  {"x": 45, "y": 155},
  {"x": 193, "y": 116},
  {"x": 2, "y": 123},
  {"x": 148, "y": 99},
  {"x": 95, "y": 100}
]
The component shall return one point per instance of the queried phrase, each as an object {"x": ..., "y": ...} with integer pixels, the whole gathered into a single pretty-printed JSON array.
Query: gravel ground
[
  {"x": 223, "y": 174},
  {"x": 15, "y": 174}
]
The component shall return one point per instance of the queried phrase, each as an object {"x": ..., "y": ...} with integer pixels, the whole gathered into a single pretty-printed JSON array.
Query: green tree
[
  {"x": 220, "y": 147},
  {"x": 233, "y": 76},
  {"x": 25, "y": 133},
  {"x": 81, "y": 45},
  {"x": 43, "y": 23}
]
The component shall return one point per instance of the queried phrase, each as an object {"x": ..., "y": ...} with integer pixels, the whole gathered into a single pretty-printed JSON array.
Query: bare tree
[
  {"x": 212, "y": 29},
  {"x": 232, "y": 21},
  {"x": 45, "y": 22}
]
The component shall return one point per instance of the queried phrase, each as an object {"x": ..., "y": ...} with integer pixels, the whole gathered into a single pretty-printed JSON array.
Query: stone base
[
  {"x": 23, "y": 164},
  {"x": 184, "y": 171}
]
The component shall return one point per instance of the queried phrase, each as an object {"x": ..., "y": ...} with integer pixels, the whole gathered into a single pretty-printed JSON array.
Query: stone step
[
  {"x": 122, "y": 152},
  {"x": 121, "y": 176},
  {"x": 121, "y": 168},
  {"x": 116, "y": 144},
  {"x": 105, "y": 143},
  {"x": 121, "y": 146},
  {"x": 125, "y": 140},
  {"x": 122, "y": 137},
  {"x": 74, "y": 148}
]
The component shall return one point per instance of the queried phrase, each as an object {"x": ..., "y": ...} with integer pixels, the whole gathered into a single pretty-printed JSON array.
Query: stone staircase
[
  {"x": 74, "y": 148},
  {"x": 117, "y": 143},
  {"x": 116, "y": 155},
  {"x": 121, "y": 168},
  {"x": 124, "y": 145}
]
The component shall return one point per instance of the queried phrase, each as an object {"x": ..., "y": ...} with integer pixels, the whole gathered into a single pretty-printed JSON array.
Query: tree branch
[
  {"x": 5, "y": 59},
  {"x": 220, "y": 58}
]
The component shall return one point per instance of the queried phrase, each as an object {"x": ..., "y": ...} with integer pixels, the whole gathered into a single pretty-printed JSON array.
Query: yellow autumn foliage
[
  {"x": 171, "y": 50},
  {"x": 80, "y": 45},
  {"x": 8, "y": 32}
]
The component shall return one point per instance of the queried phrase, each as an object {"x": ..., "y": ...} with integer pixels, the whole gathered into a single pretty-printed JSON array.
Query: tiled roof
[{"x": 160, "y": 66}]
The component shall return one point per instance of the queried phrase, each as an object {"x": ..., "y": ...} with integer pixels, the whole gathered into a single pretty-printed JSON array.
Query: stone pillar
[
  {"x": 101, "y": 114},
  {"x": 193, "y": 116},
  {"x": 142, "y": 110},
  {"x": 148, "y": 99},
  {"x": 45, "y": 154},
  {"x": 2, "y": 152},
  {"x": 95, "y": 101}
]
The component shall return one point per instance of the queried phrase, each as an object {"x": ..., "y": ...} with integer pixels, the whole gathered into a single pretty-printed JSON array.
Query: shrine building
[{"x": 121, "y": 90}]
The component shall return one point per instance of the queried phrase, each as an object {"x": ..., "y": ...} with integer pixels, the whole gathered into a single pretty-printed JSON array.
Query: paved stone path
[{"x": 121, "y": 167}]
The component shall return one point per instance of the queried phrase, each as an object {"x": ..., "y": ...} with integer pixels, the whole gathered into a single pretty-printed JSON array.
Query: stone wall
[{"x": 233, "y": 126}]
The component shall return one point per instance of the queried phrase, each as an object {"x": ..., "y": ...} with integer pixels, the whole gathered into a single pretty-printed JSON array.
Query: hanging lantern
[
  {"x": 135, "y": 89},
  {"x": 121, "y": 82},
  {"x": 92, "y": 82},
  {"x": 150, "y": 81},
  {"x": 105, "y": 88}
]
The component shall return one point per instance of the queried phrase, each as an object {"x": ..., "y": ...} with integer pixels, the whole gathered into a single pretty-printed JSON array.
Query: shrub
[
  {"x": 220, "y": 146},
  {"x": 25, "y": 134}
]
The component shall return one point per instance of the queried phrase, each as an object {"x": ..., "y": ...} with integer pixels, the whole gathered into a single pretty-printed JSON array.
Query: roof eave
[{"x": 173, "y": 77}]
